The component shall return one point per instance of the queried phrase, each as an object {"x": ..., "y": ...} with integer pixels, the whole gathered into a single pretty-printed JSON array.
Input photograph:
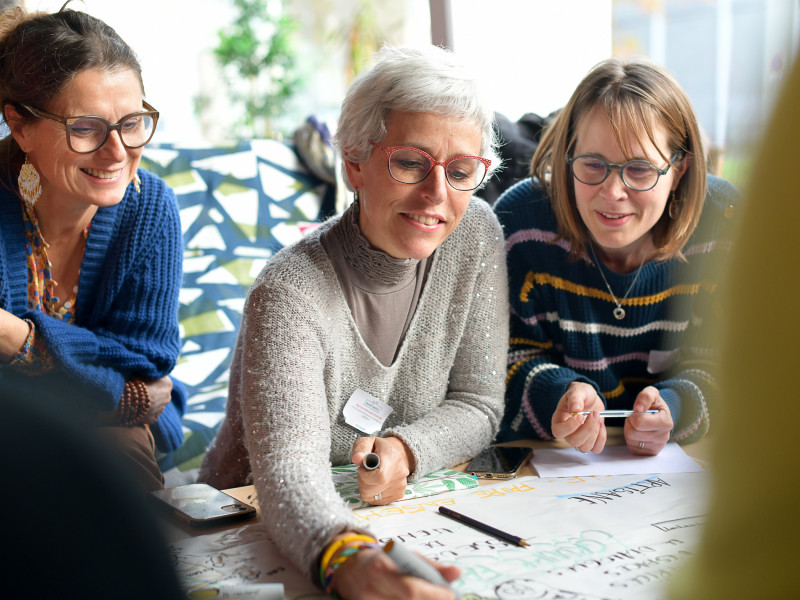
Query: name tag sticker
[
  {"x": 661, "y": 360},
  {"x": 365, "y": 412}
]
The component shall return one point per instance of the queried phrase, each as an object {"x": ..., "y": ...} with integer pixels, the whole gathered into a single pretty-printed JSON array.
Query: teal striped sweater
[{"x": 562, "y": 328}]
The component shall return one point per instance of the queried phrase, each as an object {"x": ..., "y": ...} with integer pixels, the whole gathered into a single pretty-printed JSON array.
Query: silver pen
[{"x": 615, "y": 413}]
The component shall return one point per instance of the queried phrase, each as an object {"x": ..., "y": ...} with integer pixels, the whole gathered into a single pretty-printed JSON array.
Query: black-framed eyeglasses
[
  {"x": 88, "y": 133},
  {"x": 638, "y": 175},
  {"x": 412, "y": 165}
]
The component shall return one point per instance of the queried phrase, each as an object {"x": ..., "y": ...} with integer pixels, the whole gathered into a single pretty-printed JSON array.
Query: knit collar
[{"x": 363, "y": 258}]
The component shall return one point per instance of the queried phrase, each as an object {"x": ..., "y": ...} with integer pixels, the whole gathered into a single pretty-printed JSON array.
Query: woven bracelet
[
  {"x": 335, "y": 546},
  {"x": 340, "y": 558}
]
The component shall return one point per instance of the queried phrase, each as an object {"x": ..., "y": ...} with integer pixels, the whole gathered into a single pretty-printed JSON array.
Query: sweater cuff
[{"x": 673, "y": 400}]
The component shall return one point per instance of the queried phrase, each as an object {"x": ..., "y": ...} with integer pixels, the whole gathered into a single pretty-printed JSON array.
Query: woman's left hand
[
  {"x": 388, "y": 482},
  {"x": 648, "y": 434}
]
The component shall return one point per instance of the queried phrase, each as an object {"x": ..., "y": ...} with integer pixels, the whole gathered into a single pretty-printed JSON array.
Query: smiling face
[
  {"x": 412, "y": 220},
  {"x": 620, "y": 220},
  {"x": 98, "y": 178}
]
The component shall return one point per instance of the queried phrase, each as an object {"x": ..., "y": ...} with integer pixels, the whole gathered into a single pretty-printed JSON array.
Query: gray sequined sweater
[{"x": 300, "y": 357}]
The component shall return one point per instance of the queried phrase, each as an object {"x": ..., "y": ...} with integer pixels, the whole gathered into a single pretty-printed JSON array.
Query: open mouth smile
[
  {"x": 101, "y": 174},
  {"x": 423, "y": 219}
]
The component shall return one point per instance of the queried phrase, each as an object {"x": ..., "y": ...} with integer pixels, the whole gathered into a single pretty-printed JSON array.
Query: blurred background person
[{"x": 749, "y": 546}]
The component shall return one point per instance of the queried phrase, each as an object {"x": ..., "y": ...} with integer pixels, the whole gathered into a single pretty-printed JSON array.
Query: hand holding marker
[
  {"x": 371, "y": 461},
  {"x": 413, "y": 564},
  {"x": 407, "y": 561}
]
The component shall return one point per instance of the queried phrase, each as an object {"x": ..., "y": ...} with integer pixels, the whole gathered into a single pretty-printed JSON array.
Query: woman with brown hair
[
  {"x": 608, "y": 248},
  {"x": 90, "y": 245}
]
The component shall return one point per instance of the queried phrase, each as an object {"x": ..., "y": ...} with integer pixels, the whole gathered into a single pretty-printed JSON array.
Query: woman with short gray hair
[{"x": 396, "y": 310}]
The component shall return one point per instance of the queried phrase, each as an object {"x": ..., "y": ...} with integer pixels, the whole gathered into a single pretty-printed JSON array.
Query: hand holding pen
[
  {"x": 586, "y": 432},
  {"x": 579, "y": 419},
  {"x": 395, "y": 572},
  {"x": 649, "y": 434},
  {"x": 384, "y": 471}
]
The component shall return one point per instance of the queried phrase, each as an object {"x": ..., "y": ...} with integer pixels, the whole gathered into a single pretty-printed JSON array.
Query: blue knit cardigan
[
  {"x": 126, "y": 324},
  {"x": 562, "y": 328}
]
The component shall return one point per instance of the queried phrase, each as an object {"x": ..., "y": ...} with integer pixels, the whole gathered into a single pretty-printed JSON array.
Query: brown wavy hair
[{"x": 40, "y": 54}]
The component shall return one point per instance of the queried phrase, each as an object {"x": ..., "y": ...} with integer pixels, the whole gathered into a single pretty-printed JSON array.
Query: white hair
[{"x": 426, "y": 79}]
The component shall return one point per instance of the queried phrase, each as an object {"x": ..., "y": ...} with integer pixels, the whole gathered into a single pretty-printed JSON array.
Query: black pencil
[{"x": 507, "y": 537}]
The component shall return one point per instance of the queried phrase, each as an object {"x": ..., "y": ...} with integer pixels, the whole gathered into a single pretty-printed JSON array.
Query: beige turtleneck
[{"x": 381, "y": 291}]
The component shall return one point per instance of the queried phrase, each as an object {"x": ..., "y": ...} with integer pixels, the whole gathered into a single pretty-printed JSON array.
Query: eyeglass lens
[
  {"x": 638, "y": 175},
  {"x": 409, "y": 166},
  {"x": 87, "y": 134}
]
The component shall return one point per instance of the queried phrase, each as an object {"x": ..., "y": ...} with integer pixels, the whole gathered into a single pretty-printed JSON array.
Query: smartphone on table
[
  {"x": 199, "y": 504},
  {"x": 498, "y": 462}
]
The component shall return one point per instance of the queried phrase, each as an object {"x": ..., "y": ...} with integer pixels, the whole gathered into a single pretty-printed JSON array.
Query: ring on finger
[
  {"x": 378, "y": 496},
  {"x": 641, "y": 445}
]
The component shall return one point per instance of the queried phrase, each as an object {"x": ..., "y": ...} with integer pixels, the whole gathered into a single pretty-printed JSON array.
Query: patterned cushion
[{"x": 239, "y": 205}]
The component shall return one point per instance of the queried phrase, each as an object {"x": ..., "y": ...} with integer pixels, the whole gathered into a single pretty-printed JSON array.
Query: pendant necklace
[{"x": 619, "y": 312}]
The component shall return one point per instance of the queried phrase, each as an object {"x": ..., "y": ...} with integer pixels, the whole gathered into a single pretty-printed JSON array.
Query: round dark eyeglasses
[
  {"x": 638, "y": 175},
  {"x": 412, "y": 165},
  {"x": 88, "y": 133}
]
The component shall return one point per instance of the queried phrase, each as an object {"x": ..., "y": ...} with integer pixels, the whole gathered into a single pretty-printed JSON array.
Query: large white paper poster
[
  {"x": 601, "y": 537},
  {"x": 590, "y": 537}
]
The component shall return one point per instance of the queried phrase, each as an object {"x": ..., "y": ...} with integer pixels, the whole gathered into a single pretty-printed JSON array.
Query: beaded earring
[
  {"x": 30, "y": 184},
  {"x": 137, "y": 183}
]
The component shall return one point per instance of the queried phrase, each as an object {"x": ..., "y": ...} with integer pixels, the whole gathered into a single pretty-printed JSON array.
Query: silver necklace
[{"x": 619, "y": 312}]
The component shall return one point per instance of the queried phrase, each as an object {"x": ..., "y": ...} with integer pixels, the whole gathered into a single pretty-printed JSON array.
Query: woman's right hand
[
  {"x": 385, "y": 580},
  {"x": 587, "y": 433},
  {"x": 160, "y": 392},
  {"x": 13, "y": 333},
  {"x": 388, "y": 482}
]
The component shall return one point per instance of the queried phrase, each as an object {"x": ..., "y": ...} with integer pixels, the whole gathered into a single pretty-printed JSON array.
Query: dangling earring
[
  {"x": 355, "y": 197},
  {"x": 672, "y": 210},
  {"x": 30, "y": 184},
  {"x": 137, "y": 183}
]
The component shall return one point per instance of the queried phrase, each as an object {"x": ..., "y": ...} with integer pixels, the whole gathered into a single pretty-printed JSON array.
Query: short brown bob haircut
[{"x": 637, "y": 95}]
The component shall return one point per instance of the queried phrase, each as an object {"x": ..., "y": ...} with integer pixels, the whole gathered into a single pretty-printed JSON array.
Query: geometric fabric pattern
[{"x": 238, "y": 205}]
